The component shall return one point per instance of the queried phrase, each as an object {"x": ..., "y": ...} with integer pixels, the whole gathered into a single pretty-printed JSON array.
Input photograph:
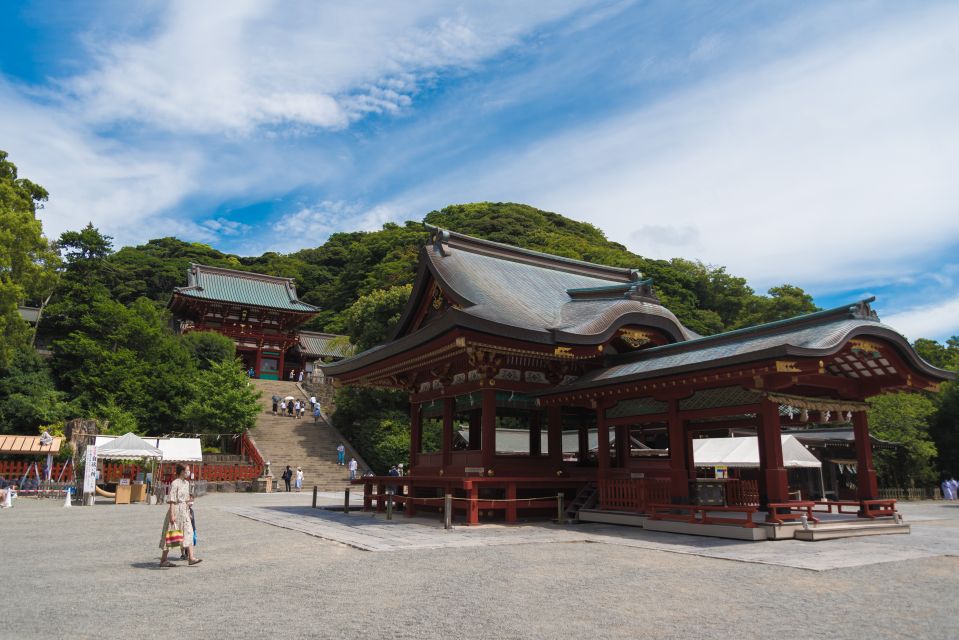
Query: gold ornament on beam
[
  {"x": 787, "y": 366},
  {"x": 635, "y": 338}
]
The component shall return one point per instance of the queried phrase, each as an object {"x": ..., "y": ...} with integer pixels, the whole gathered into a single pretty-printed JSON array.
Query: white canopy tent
[
  {"x": 744, "y": 452},
  {"x": 127, "y": 447},
  {"x": 171, "y": 449}
]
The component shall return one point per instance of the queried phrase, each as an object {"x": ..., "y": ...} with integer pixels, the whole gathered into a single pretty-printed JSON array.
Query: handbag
[{"x": 174, "y": 537}]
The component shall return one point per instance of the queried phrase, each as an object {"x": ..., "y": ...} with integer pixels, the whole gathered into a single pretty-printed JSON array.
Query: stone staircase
[{"x": 300, "y": 442}]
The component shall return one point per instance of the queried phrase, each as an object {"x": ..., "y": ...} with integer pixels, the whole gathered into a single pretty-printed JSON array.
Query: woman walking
[
  {"x": 178, "y": 516},
  {"x": 299, "y": 479}
]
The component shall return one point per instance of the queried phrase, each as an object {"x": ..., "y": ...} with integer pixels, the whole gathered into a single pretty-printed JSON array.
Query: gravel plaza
[{"x": 274, "y": 567}]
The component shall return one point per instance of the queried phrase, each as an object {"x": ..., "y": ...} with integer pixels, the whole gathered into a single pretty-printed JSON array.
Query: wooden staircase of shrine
[
  {"x": 300, "y": 442},
  {"x": 586, "y": 498}
]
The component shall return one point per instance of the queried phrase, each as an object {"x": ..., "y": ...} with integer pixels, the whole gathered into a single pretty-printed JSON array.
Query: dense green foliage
[
  {"x": 904, "y": 418},
  {"x": 223, "y": 399},
  {"x": 27, "y": 261}
]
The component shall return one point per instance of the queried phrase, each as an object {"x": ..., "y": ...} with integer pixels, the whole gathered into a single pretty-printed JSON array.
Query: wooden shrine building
[
  {"x": 260, "y": 313},
  {"x": 496, "y": 337}
]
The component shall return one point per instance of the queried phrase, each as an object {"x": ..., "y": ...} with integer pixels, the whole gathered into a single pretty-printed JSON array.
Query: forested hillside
[{"x": 114, "y": 356}]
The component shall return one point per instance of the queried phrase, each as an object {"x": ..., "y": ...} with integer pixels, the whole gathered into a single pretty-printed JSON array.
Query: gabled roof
[
  {"x": 324, "y": 345},
  {"x": 552, "y": 299},
  {"x": 813, "y": 335},
  {"x": 242, "y": 287},
  {"x": 527, "y": 295}
]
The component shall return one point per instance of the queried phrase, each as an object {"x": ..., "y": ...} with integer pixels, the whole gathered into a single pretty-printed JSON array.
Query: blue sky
[{"x": 809, "y": 143}]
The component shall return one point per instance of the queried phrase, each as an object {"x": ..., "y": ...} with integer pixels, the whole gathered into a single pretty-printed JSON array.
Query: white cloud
[
  {"x": 225, "y": 227},
  {"x": 826, "y": 168},
  {"x": 232, "y": 67},
  {"x": 937, "y": 321},
  {"x": 90, "y": 179}
]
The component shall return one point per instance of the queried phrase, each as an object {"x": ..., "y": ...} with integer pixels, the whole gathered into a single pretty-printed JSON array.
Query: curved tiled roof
[
  {"x": 814, "y": 335},
  {"x": 324, "y": 345},
  {"x": 242, "y": 287},
  {"x": 561, "y": 299}
]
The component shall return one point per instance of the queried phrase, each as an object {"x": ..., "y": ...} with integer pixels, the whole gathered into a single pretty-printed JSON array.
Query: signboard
[
  {"x": 722, "y": 472},
  {"x": 90, "y": 470},
  {"x": 124, "y": 482}
]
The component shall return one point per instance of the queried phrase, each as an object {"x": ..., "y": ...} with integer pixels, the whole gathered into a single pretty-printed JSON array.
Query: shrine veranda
[{"x": 497, "y": 341}]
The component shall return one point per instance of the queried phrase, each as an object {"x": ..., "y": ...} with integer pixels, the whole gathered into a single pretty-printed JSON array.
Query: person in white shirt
[
  {"x": 353, "y": 466},
  {"x": 299, "y": 479}
]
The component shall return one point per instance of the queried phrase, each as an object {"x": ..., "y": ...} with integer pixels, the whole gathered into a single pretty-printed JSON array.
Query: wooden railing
[
  {"x": 742, "y": 493},
  {"x": 632, "y": 495},
  {"x": 699, "y": 514},
  {"x": 248, "y": 449},
  {"x": 13, "y": 470},
  {"x": 780, "y": 512}
]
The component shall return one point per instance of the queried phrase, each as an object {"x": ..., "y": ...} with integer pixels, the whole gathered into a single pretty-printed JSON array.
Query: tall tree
[{"x": 27, "y": 262}]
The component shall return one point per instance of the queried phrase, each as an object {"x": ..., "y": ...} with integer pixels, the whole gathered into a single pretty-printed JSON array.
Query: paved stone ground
[
  {"x": 91, "y": 572},
  {"x": 375, "y": 533}
]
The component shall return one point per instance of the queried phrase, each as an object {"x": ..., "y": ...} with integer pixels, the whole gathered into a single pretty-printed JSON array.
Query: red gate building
[{"x": 260, "y": 313}]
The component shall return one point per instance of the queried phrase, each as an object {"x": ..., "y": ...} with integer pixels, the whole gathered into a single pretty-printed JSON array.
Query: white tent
[
  {"x": 171, "y": 449},
  {"x": 744, "y": 452},
  {"x": 128, "y": 446}
]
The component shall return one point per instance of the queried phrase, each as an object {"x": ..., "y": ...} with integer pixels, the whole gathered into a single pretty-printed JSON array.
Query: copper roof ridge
[
  {"x": 249, "y": 275},
  {"x": 444, "y": 240}
]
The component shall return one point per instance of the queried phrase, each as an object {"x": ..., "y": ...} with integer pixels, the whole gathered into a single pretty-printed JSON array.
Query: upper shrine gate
[{"x": 601, "y": 383}]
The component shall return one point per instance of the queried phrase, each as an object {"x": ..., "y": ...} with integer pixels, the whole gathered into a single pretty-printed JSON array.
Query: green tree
[
  {"x": 785, "y": 301},
  {"x": 28, "y": 397},
  {"x": 904, "y": 418},
  {"x": 208, "y": 347},
  {"x": 370, "y": 319},
  {"x": 27, "y": 262},
  {"x": 223, "y": 401}
]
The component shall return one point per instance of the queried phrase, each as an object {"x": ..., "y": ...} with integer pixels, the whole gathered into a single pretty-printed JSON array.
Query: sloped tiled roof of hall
[
  {"x": 324, "y": 345},
  {"x": 560, "y": 299},
  {"x": 813, "y": 335},
  {"x": 242, "y": 287}
]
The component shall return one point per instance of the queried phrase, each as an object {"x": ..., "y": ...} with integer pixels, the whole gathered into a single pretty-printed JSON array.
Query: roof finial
[{"x": 441, "y": 241}]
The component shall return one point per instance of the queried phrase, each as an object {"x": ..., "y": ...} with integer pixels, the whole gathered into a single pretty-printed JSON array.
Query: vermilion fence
[
  {"x": 112, "y": 472},
  {"x": 14, "y": 469},
  {"x": 632, "y": 495},
  {"x": 742, "y": 493}
]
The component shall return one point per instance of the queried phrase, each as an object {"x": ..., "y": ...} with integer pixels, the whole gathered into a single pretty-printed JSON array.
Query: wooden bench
[
  {"x": 700, "y": 514},
  {"x": 804, "y": 507}
]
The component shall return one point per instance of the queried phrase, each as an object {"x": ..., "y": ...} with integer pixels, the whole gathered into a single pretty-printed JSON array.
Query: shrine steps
[
  {"x": 762, "y": 530},
  {"x": 300, "y": 442},
  {"x": 834, "y": 530}
]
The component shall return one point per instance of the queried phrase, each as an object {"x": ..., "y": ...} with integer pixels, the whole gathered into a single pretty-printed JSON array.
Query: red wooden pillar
[
  {"x": 690, "y": 457},
  {"x": 554, "y": 434},
  {"x": 583, "y": 453},
  {"x": 602, "y": 444},
  {"x": 472, "y": 509},
  {"x": 449, "y": 405},
  {"x": 476, "y": 426},
  {"x": 259, "y": 357},
  {"x": 774, "y": 485},
  {"x": 622, "y": 446},
  {"x": 678, "y": 457},
  {"x": 511, "y": 505},
  {"x": 416, "y": 433},
  {"x": 282, "y": 373},
  {"x": 535, "y": 436},
  {"x": 866, "y": 485},
  {"x": 488, "y": 428}
]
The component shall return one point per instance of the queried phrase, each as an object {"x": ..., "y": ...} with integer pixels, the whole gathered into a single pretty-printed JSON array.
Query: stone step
[{"x": 836, "y": 530}]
